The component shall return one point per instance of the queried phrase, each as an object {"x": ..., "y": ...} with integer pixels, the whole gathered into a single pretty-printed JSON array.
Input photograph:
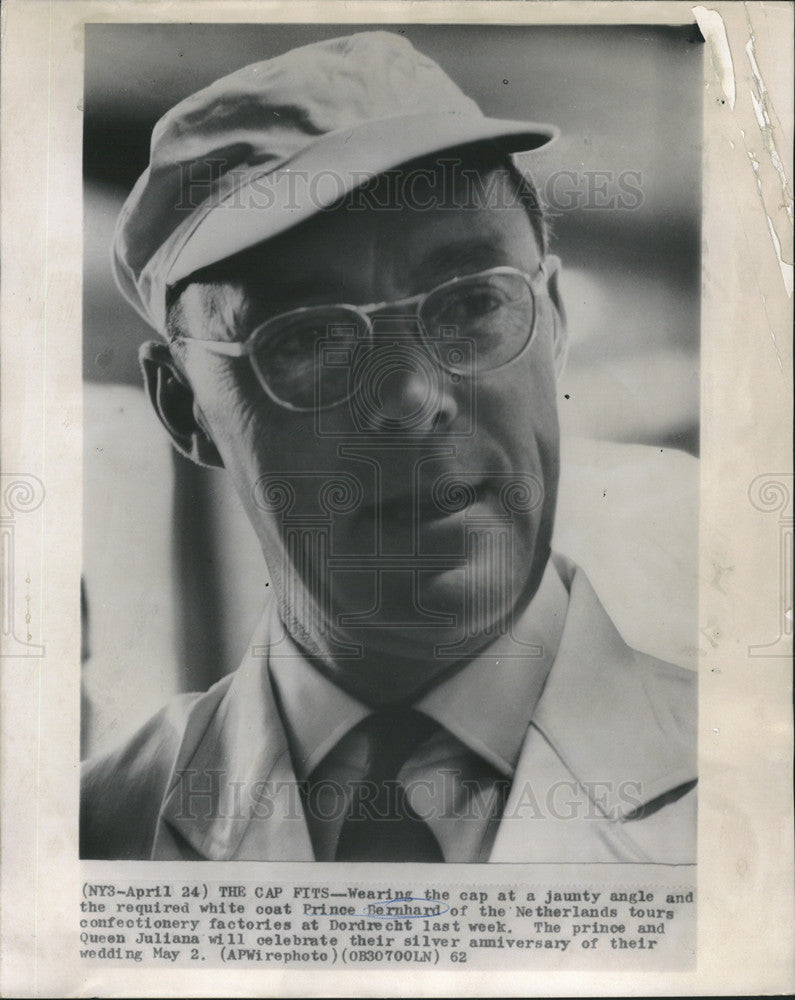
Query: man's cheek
[{"x": 525, "y": 535}]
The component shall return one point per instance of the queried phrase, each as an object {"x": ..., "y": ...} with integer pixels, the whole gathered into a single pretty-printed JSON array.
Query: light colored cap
[{"x": 271, "y": 144}]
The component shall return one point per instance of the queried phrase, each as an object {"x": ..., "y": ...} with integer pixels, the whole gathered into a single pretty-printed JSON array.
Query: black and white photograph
[
  {"x": 391, "y": 427},
  {"x": 396, "y": 498}
]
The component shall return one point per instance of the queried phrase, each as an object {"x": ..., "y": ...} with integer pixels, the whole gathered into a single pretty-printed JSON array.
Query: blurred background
[{"x": 173, "y": 577}]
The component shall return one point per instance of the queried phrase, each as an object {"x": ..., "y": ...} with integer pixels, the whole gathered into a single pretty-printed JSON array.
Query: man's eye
[
  {"x": 298, "y": 343},
  {"x": 479, "y": 302},
  {"x": 470, "y": 304},
  {"x": 296, "y": 347}
]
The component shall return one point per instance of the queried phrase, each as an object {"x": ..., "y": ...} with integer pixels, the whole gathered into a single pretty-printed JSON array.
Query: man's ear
[
  {"x": 561, "y": 334},
  {"x": 175, "y": 404}
]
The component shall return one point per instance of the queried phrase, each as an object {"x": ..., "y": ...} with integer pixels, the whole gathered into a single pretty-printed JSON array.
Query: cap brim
[{"x": 265, "y": 202}]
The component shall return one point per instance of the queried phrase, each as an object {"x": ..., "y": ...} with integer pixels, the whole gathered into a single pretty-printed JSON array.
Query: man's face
[{"x": 415, "y": 559}]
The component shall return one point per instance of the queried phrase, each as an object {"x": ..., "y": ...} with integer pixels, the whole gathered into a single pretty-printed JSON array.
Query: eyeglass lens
[{"x": 309, "y": 360}]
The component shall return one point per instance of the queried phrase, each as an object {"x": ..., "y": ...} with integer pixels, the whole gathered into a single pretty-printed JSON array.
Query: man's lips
[{"x": 426, "y": 507}]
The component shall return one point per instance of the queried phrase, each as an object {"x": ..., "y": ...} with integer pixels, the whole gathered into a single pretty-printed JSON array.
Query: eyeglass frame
[{"x": 245, "y": 348}]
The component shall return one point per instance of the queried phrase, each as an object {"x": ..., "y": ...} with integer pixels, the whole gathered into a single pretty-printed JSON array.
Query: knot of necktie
[
  {"x": 381, "y": 825},
  {"x": 392, "y": 737}
]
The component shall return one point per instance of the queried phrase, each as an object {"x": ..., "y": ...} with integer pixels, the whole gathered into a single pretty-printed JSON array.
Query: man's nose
[{"x": 403, "y": 387}]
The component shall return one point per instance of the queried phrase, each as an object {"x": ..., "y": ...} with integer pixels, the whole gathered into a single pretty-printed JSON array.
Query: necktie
[{"x": 380, "y": 824}]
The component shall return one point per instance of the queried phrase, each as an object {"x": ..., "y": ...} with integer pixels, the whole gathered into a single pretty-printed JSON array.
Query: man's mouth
[{"x": 430, "y": 506}]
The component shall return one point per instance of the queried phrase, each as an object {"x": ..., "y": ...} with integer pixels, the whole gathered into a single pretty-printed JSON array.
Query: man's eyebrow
[
  {"x": 452, "y": 259},
  {"x": 307, "y": 289},
  {"x": 446, "y": 261}
]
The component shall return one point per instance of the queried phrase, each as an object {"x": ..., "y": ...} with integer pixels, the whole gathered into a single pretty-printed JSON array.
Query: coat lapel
[
  {"x": 613, "y": 734},
  {"x": 233, "y": 794}
]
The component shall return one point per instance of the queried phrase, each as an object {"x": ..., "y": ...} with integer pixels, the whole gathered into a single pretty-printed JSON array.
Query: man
[{"x": 363, "y": 327}]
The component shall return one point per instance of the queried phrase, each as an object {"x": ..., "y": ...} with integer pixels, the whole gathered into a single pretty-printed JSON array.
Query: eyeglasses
[{"x": 307, "y": 359}]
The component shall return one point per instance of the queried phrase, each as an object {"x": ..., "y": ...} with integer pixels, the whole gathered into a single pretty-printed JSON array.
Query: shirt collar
[
  {"x": 316, "y": 713},
  {"x": 487, "y": 705}
]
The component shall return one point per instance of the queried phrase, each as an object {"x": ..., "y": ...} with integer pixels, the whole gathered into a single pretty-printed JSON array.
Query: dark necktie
[{"x": 380, "y": 824}]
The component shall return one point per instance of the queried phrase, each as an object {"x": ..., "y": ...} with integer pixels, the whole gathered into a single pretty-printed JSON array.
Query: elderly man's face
[{"x": 391, "y": 563}]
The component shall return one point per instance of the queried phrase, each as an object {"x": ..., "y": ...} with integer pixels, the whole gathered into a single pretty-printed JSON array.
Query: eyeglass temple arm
[
  {"x": 236, "y": 349},
  {"x": 549, "y": 265}
]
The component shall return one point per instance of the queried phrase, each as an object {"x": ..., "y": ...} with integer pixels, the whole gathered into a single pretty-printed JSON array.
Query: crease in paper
[
  {"x": 713, "y": 29},
  {"x": 762, "y": 105}
]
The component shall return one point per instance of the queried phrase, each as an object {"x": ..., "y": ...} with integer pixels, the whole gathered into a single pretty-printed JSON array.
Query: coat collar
[{"x": 623, "y": 723}]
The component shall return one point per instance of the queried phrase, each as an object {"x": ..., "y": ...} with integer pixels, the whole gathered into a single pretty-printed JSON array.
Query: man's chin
[{"x": 449, "y": 610}]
